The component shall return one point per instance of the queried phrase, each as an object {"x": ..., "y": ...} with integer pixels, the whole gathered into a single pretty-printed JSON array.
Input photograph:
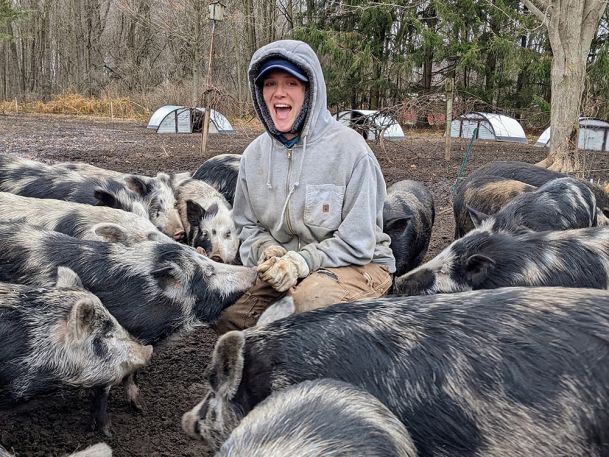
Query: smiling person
[{"x": 309, "y": 197}]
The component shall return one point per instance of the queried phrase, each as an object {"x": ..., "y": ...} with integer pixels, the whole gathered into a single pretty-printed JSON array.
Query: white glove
[
  {"x": 271, "y": 251},
  {"x": 283, "y": 272}
]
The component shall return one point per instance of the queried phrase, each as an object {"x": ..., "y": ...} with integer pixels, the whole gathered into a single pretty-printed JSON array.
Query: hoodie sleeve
[
  {"x": 254, "y": 237},
  {"x": 357, "y": 236}
]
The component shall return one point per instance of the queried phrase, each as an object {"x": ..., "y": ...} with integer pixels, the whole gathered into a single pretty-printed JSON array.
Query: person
[{"x": 309, "y": 198}]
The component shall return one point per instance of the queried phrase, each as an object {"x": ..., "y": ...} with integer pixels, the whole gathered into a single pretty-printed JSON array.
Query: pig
[
  {"x": 320, "y": 418},
  {"x": 221, "y": 173},
  {"x": 486, "y": 259},
  {"x": 208, "y": 220},
  {"x": 79, "y": 220},
  {"x": 486, "y": 194},
  {"x": 97, "y": 450},
  {"x": 154, "y": 289},
  {"x": 512, "y": 371},
  {"x": 148, "y": 197},
  {"x": 560, "y": 204},
  {"x": 85, "y": 169},
  {"x": 536, "y": 176},
  {"x": 408, "y": 217},
  {"x": 62, "y": 335}
]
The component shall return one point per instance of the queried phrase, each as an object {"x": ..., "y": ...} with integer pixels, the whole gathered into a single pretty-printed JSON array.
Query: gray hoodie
[{"x": 323, "y": 197}]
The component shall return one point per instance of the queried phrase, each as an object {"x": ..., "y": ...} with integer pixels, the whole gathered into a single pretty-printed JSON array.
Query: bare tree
[{"x": 571, "y": 26}]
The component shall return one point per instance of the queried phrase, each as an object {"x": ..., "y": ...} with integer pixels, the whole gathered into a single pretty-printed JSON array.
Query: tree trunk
[
  {"x": 568, "y": 77},
  {"x": 571, "y": 26}
]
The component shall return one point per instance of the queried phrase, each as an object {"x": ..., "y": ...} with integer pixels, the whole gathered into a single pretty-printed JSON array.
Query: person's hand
[
  {"x": 283, "y": 272},
  {"x": 271, "y": 251}
]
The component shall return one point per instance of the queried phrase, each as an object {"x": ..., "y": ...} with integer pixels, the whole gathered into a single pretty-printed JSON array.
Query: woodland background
[{"x": 374, "y": 54}]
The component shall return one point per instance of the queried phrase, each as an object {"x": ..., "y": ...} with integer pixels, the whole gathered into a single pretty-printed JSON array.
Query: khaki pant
[{"x": 321, "y": 288}]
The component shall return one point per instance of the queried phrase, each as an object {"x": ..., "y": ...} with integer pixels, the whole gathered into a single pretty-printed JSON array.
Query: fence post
[{"x": 450, "y": 85}]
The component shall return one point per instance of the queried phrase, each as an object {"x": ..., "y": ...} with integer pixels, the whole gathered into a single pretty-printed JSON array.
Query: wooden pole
[
  {"x": 450, "y": 86},
  {"x": 206, "y": 97}
]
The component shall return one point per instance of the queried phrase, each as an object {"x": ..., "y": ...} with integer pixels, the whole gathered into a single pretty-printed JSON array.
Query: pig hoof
[
  {"x": 136, "y": 405},
  {"x": 106, "y": 431}
]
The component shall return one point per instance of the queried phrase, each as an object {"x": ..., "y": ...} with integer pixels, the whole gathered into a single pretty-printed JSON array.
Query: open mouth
[
  {"x": 282, "y": 110},
  {"x": 217, "y": 258}
]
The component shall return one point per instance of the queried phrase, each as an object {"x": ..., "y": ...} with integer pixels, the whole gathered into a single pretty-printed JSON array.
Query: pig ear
[
  {"x": 138, "y": 184},
  {"x": 156, "y": 236},
  {"x": 68, "y": 279},
  {"x": 477, "y": 269},
  {"x": 82, "y": 319},
  {"x": 226, "y": 367},
  {"x": 168, "y": 277},
  {"x": 211, "y": 211},
  {"x": 397, "y": 225},
  {"x": 105, "y": 198},
  {"x": 112, "y": 233},
  {"x": 477, "y": 217},
  {"x": 161, "y": 176},
  {"x": 194, "y": 213}
]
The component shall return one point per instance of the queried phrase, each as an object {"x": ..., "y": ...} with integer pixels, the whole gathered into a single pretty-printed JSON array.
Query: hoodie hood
[{"x": 314, "y": 110}]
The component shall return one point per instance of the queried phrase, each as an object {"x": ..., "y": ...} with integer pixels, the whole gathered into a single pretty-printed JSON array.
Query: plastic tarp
[
  {"x": 491, "y": 126},
  {"x": 593, "y": 135},
  {"x": 182, "y": 119},
  {"x": 370, "y": 122}
]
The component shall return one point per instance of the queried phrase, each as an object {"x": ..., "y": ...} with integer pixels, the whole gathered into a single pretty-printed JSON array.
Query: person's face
[{"x": 284, "y": 96}]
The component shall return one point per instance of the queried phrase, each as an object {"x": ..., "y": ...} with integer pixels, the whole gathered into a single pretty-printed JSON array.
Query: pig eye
[
  {"x": 204, "y": 234},
  {"x": 227, "y": 235},
  {"x": 155, "y": 208}
]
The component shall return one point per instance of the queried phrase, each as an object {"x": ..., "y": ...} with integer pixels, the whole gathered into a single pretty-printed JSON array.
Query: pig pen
[{"x": 57, "y": 423}]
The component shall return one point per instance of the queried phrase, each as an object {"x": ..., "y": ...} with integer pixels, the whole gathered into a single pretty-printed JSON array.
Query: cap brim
[{"x": 279, "y": 67}]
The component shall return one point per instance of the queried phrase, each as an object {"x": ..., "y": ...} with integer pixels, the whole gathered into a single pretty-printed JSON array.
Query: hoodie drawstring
[
  {"x": 293, "y": 187},
  {"x": 268, "y": 175}
]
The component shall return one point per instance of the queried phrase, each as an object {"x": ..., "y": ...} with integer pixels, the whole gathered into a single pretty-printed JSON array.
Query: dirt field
[{"x": 57, "y": 423}]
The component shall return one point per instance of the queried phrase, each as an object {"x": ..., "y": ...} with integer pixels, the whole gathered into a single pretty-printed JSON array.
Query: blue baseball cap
[{"x": 281, "y": 65}]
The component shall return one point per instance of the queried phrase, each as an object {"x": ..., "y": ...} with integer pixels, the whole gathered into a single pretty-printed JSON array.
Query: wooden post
[
  {"x": 206, "y": 97},
  {"x": 450, "y": 86}
]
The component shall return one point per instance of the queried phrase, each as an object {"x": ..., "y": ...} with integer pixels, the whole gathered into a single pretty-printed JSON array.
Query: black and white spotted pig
[
  {"x": 320, "y": 418},
  {"x": 152, "y": 198},
  {"x": 408, "y": 217},
  {"x": 154, "y": 289},
  {"x": 221, "y": 173},
  {"x": 486, "y": 259},
  {"x": 97, "y": 450},
  {"x": 208, "y": 220},
  {"x": 513, "y": 371},
  {"x": 79, "y": 220},
  {"x": 486, "y": 194},
  {"x": 62, "y": 335},
  {"x": 537, "y": 176},
  {"x": 560, "y": 204}
]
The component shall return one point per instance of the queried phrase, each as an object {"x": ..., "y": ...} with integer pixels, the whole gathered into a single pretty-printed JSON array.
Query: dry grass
[{"x": 75, "y": 104}]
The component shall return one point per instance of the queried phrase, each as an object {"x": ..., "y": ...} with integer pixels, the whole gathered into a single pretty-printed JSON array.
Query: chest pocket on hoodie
[{"x": 324, "y": 205}]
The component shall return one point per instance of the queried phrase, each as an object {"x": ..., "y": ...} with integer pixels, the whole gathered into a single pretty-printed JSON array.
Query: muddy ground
[{"x": 57, "y": 423}]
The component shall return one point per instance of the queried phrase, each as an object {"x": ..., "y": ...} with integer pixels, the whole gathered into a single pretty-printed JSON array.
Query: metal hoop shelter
[
  {"x": 183, "y": 119},
  {"x": 370, "y": 123},
  {"x": 593, "y": 135},
  {"x": 491, "y": 126}
]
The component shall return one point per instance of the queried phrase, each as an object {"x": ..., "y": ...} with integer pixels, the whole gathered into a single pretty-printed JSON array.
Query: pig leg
[
  {"x": 133, "y": 392},
  {"x": 100, "y": 419}
]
